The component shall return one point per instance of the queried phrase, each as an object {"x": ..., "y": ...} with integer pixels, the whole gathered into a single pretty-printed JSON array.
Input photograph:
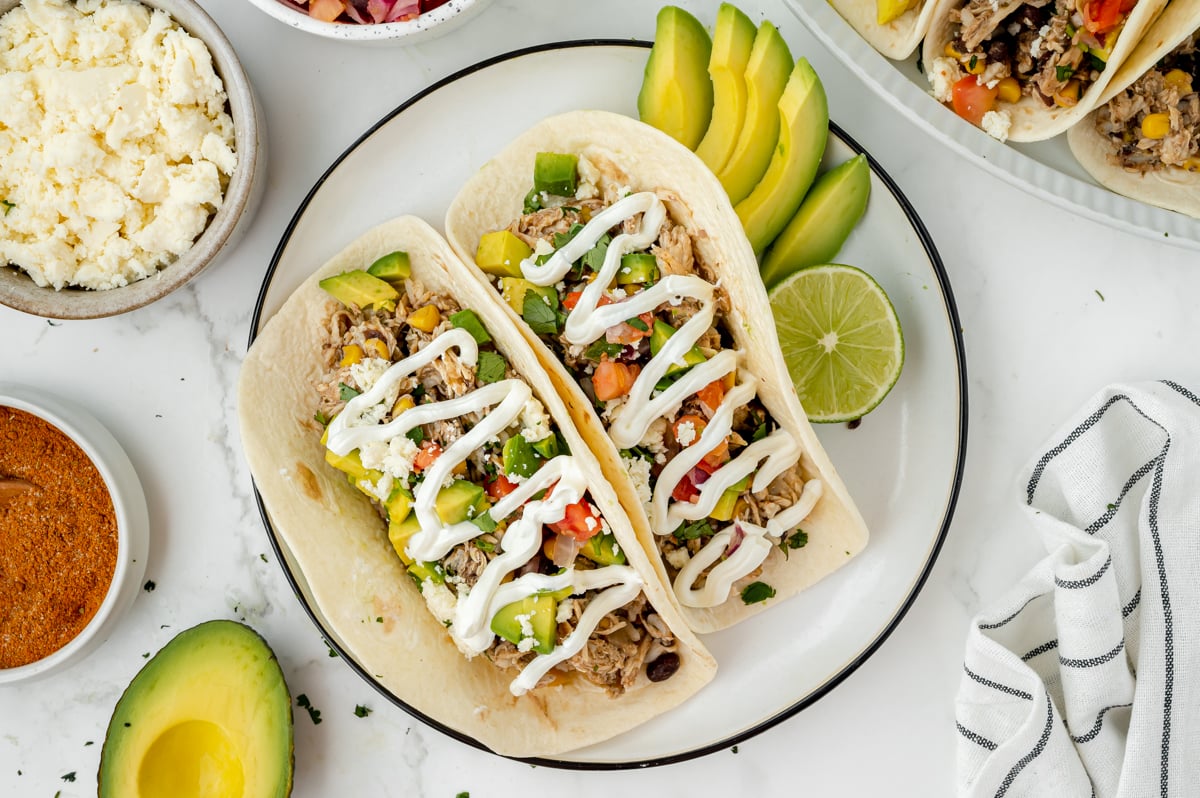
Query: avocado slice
[
  {"x": 399, "y": 503},
  {"x": 466, "y": 319},
  {"x": 825, "y": 220},
  {"x": 637, "y": 268},
  {"x": 360, "y": 289},
  {"x": 603, "y": 549},
  {"x": 550, "y": 446},
  {"x": 209, "y": 714},
  {"x": 539, "y": 611},
  {"x": 459, "y": 501},
  {"x": 733, "y": 39},
  {"x": 432, "y": 571},
  {"x": 393, "y": 267},
  {"x": 556, "y": 173},
  {"x": 659, "y": 335},
  {"x": 519, "y": 457},
  {"x": 767, "y": 74},
  {"x": 399, "y": 533},
  {"x": 514, "y": 289},
  {"x": 501, "y": 252},
  {"x": 804, "y": 127},
  {"x": 677, "y": 94}
]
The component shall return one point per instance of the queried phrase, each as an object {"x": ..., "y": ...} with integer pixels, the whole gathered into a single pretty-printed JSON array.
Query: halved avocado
[{"x": 209, "y": 716}]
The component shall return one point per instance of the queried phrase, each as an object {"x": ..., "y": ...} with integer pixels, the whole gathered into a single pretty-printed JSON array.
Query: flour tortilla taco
[
  {"x": 449, "y": 520},
  {"x": 1027, "y": 71},
  {"x": 1144, "y": 140},
  {"x": 893, "y": 27},
  {"x": 621, "y": 258}
]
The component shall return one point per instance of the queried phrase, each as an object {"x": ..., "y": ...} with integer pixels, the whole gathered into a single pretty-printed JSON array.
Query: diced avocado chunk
[
  {"x": 351, "y": 465},
  {"x": 501, "y": 253},
  {"x": 723, "y": 511},
  {"x": 467, "y": 320},
  {"x": 400, "y": 532},
  {"x": 515, "y": 289},
  {"x": 558, "y": 595},
  {"x": 603, "y": 549},
  {"x": 519, "y": 457},
  {"x": 637, "y": 268},
  {"x": 432, "y": 571},
  {"x": 539, "y": 614},
  {"x": 460, "y": 501},
  {"x": 399, "y": 503},
  {"x": 393, "y": 267},
  {"x": 556, "y": 173},
  {"x": 549, "y": 446},
  {"x": 360, "y": 289},
  {"x": 659, "y": 336}
]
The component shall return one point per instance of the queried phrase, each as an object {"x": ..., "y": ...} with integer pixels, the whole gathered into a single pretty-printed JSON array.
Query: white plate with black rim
[
  {"x": 1045, "y": 169},
  {"x": 903, "y": 463}
]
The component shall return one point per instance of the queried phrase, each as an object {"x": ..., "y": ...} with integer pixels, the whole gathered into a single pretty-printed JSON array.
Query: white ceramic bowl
[
  {"x": 241, "y": 199},
  {"x": 434, "y": 22},
  {"x": 133, "y": 523}
]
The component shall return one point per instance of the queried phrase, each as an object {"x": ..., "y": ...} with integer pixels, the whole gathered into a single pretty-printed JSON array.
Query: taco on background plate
[
  {"x": 617, "y": 252},
  {"x": 1027, "y": 70},
  {"x": 1144, "y": 140},
  {"x": 448, "y": 518},
  {"x": 893, "y": 27}
]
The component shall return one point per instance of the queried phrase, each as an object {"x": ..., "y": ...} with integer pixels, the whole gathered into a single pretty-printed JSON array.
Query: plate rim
[{"x": 953, "y": 322}]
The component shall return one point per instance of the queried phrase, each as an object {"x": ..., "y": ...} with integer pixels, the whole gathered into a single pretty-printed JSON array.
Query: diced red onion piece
[
  {"x": 698, "y": 476},
  {"x": 565, "y": 549},
  {"x": 404, "y": 9},
  {"x": 735, "y": 539}
]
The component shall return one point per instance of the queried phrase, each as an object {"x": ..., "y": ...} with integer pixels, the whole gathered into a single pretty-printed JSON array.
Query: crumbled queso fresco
[{"x": 115, "y": 146}]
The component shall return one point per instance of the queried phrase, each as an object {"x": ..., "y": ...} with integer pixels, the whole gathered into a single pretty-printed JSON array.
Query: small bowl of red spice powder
[{"x": 74, "y": 533}]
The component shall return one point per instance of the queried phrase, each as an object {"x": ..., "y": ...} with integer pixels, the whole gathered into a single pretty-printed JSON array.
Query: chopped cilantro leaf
[
  {"x": 485, "y": 545},
  {"x": 321, "y": 419},
  {"x": 756, "y": 592},
  {"x": 594, "y": 258},
  {"x": 600, "y": 348},
  {"x": 332, "y": 653},
  {"x": 345, "y": 392},
  {"x": 760, "y": 432},
  {"x": 8, "y": 206},
  {"x": 69, "y": 776},
  {"x": 638, "y": 324},
  {"x": 416, "y": 435},
  {"x": 973, "y": 62},
  {"x": 463, "y": 795},
  {"x": 533, "y": 201},
  {"x": 418, "y": 394},
  {"x": 540, "y": 317},
  {"x": 562, "y": 239},
  {"x": 1063, "y": 72},
  {"x": 361, "y": 711},
  {"x": 490, "y": 368},
  {"x": 467, "y": 320},
  {"x": 796, "y": 540},
  {"x": 314, "y": 714},
  {"x": 694, "y": 530}
]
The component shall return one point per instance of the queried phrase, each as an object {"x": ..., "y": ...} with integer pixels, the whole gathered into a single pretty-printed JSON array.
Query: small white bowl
[
  {"x": 18, "y": 290},
  {"x": 434, "y": 22},
  {"x": 132, "y": 516}
]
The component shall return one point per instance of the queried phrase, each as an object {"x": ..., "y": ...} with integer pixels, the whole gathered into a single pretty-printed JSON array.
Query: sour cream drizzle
[
  {"x": 770, "y": 456},
  {"x": 474, "y": 609}
]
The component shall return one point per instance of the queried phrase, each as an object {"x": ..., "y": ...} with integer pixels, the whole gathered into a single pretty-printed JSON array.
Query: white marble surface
[{"x": 1052, "y": 308}]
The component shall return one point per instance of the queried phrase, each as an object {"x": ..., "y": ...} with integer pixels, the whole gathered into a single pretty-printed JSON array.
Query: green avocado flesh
[
  {"x": 501, "y": 253},
  {"x": 209, "y": 716},
  {"x": 539, "y": 612},
  {"x": 677, "y": 93},
  {"x": 361, "y": 289},
  {"x": 393, "y": 267},
  {"x": 733, "y": 39},
  {"x": 555, "y": 173}
]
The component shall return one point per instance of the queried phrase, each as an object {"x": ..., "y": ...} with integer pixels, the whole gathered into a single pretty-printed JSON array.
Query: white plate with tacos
[{"x": 901, "y": 465}]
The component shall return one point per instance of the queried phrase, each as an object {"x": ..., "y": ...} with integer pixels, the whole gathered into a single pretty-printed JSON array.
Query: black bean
[
  {"x": 1032, "y": 18},
  {"x": 997, "y": 52},
  {"x": 663, "y": 668}
]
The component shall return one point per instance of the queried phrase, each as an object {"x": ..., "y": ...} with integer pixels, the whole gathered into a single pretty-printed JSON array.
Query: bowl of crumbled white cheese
[{"x": 130, "y": 152}]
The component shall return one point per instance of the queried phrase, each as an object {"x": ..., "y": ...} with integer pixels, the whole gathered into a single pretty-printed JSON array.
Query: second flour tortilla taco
[
  {"x": 893, "y": 27},
  {"x": 1026, "y": 70},
  {"x": 449, "y": 520},
  {"x": 620, "y": 256},
  {"x": 1144, "y": 140}
]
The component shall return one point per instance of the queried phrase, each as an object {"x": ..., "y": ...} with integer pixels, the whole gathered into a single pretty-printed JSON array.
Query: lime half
[{"x": 841, "y": 340}]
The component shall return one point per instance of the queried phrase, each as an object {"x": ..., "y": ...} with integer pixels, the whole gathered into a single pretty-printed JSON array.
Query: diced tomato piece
[
  {"x": 430, "y": 451},
  {"x": 717, "y": 457},
  {"x": 572, "y": 299},
  {"x": 499, "y": 487},
  {"x": 580, "y": 521},
  {"x": 711, "y": 395},
  {"x": 972, "y": 99},
  {"x": 613, "y": 379},
  {"x": 697, "y": 424},
  {"x": 685, "y": 491},
  {"x": 1102, "y": 16}
]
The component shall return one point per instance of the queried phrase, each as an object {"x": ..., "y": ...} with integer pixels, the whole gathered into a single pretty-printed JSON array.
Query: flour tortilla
[
  {"x": 646, "y": 159},
  {"x": 898, "y": 38},
  {"x": 1031, "y": 120},
  {"x": 341, "y": 548},
  {"x": 1170, "y": 187}
]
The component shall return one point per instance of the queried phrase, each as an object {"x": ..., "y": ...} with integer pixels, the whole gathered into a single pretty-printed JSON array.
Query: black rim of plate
[{"x": 837, "y": 678}]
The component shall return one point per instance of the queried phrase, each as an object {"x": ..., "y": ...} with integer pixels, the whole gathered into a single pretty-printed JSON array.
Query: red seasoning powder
[{"x": 58, "y": 541}]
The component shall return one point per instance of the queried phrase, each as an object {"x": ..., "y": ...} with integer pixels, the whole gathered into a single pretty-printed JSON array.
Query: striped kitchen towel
[{"x": 1084, "y": 680}]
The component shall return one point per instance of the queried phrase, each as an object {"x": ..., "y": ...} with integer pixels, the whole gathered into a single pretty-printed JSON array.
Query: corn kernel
[
  {"x": 425, "y": 319},
  {"x": 1009, "y": 90},
  {"x": 974, "y": 64},
  {"x": 351, "y": 354},
  {"x": 1156, "y": 126},
  {"x": 376, "y": 348},
  {"x": 403, "y": 403},
  {"x": 1068, "y": 95},
  {"x": 1192, "y": 164},
  {"x": 951, "y": 51},
  {"x": 1178, "y": 79},
  {"x": 729, "y": 380},
  {"x": 460, "y": 470}
]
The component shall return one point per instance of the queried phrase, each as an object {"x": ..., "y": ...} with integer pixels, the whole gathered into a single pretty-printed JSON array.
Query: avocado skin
[
  {"x": 804, "y": 129},
  {"x": 677, "y": 93},
  {"x": 825, "y": 220},
  {"x": 203, "y": 664}
]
